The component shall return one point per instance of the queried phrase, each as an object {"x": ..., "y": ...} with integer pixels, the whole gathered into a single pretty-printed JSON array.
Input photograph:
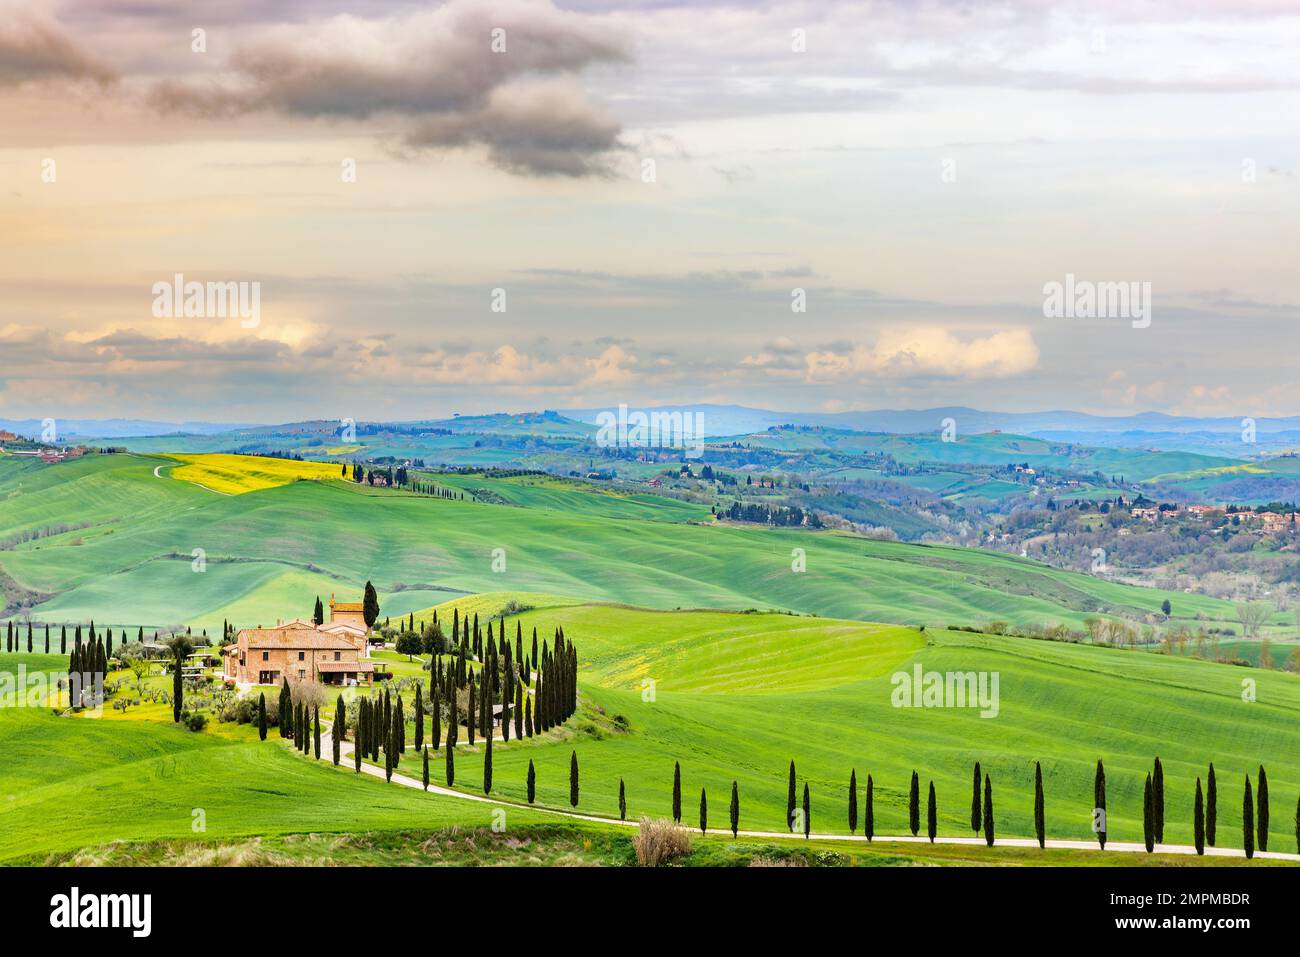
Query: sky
[{"x": 507, "y": 205}]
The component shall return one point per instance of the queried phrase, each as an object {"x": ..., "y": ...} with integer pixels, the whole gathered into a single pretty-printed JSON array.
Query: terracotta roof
[
  {"x": 331, "y": 666},
  {"x": 293, "y": 636}
]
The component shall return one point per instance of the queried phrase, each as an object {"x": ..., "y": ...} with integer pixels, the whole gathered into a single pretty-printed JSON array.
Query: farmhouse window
[
  {"x": 266, "y": 656},
  {"x": 338, "y": 656},
  {"x": 302, "y": 655}
]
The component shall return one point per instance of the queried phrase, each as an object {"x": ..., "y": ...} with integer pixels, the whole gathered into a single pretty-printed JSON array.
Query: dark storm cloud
[{"x": 441, "y": 75}]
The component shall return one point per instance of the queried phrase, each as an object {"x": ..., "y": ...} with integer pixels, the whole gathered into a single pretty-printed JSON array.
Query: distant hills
[
  {"x": 1220, "y": 435},
  {"x": 737, "y": 419}
]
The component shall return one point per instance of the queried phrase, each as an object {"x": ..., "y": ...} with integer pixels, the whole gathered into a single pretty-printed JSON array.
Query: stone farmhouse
[{"x": 334, "y": 653}]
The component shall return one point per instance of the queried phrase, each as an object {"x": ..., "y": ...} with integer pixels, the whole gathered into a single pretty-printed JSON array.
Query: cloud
[
  {"x": 439, "y": 74},
  {"x": 32, "y": 49},
  {"x": 931, "y": 351}
]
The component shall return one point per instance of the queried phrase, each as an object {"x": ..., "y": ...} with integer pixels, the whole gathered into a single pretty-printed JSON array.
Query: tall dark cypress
[
  {"x": 914, "y": 804},
  {"x": 285, "y": 710},
  {"x": 1211, "y": 807},
  {"x": 1040, "y": 822},
  {"x": 790, "y": 799},
  {"x": 1248, "y": 821},
  {"x": 419, "y": 719},
  {"x": 853, "y": 800},
  {"x": 1148, "y": 816},
  {"x": 807, "y": 812},
  {"x": 573, "y": 778},
  {"x": 315, "y": 721},
  {"x": 1158, "y": 800},
  {"x": 931, "y": 815},
  {"x": 1261, "y": 818},
  {"x": 425, "y": 777},
  {"x": 532, "y": 782},
  {"x": 519, "y": 711},
  {"x": 704, "y": 812},
  {"x": 451, "y": 765},
  {"x": 869, "y": 811},
  {"x": 622, "y": 801},
  {"x": 1198, "y": 820},
  {"x": 1099, "y": 804},
  {"x": 469, "y": 714},
  {"x": 178, "y": 688},
  {"x": 261, "y": 717},
  {"x": 340, "y": 729},
  {"x": 435, "y": 717},
  {"x": 487, "y": 766},
  {"x": 677, "y": 792},
  {"x": 735, "y": 811},
  {"x": 988, "y": 811},
  {"x": 976, "y": 815}
]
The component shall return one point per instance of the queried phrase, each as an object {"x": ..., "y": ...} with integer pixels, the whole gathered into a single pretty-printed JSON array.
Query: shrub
[
  {"x": 195, "y": 721},
  {"x": 658, "y": 842}
]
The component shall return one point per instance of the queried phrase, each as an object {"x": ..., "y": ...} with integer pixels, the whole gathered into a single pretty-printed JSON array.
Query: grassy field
[
  {"x": 740, "y": 696},
  {"x": 129, "y": 556}
]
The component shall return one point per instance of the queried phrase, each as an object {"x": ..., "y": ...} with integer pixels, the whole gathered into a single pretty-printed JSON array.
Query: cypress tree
[
  {"x": 1198, "y": 820},
  {"x": 419, "y": 719},
  {"x": 1211, "y": 807},
  {"x": 988, "y": 811},
  {"x": 1040, "y": 824},
  {"x": 435, "y": 716},
  {"x": 399, "y": 732},
  {"x": 178, "y": 689},
  {"x": 976, "y": 815},
  {"x": 790, "y": 801},
  {"x": 677, "y": 792},
  {"x": 63, "y": 640},
  {"x": 528, "y": 716},
  {"x": 285, "y": 711},
  {"x": 426, "y": 769},
  {"x": 388, "y": 759},
  {"x": 1158, "y": 801},
  {"x": 807, "y": 812},
  {"x": 47, "y": 638},
  {"x": 573, "y": 778},
  {"x": 1099, "y": 804},
  {"x": 704, "y": 812},
  {"x": 29, "y": 636},
  {"x": 487, "y": 766},
  {"x": 261, "y": 717},
  {"x": 853, "y": 800},
  {"x": 356, "y": 750},
  {"x": 869, "y": 811},
  {"x": 1248, "y": 821},
  {"x": 315, "y": 720},
  {"x": 622, "y": 801},
  {"x": 532, "y": 782},
  {"x": 914, "y": 804},
  {"x": 1148, "y": 817},
  {"x": 931, "y": 815},
  {"x": 735, "y": 811},
  {"x": 340, "y": 727},
  {"x": 1261, "y": 818},
  {"x": 519, "y": 712},
  {"x": 469, "y": 714}
]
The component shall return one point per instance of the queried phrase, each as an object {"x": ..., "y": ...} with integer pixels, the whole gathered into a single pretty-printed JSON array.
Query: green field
[
  {"x": 129, "y": 559},
  {"x": 739, "y": 696},
  {"x": 799, "y": 666}
]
